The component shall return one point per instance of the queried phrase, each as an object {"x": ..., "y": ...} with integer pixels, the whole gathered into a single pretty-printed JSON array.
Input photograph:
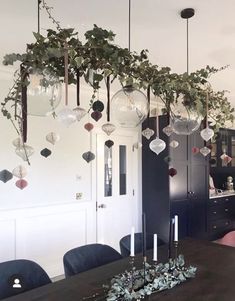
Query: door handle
[
  {"x": 102, "y": 206},
  {"x": 190, "y": 193}
]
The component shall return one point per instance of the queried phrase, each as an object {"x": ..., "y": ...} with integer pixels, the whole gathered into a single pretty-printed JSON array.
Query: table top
[{"x": 214, "y": 279}]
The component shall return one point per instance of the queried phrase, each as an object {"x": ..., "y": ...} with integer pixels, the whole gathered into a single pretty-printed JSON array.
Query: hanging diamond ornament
[
  {"x": 45, "y": 152},
  {"x": 17, "y": 142},
  {"x": 66, "y": 116},
  {"x": 89, "y": 126},
  {"x": 172, "y": 172},
  {"x": 148, "y": 133},
  {"x": 52, "y": 138},
  {"x": 157, "y": 145},
  {"x": 21, "y": 184},
  {"x": 19, "y": 172},
  {"x": 96, "y": 115},
  {"x": 205, "y": 151},
  {"x": 129, "y": 107},
  {"x": 174, "y": 144},
  {"x": 226, "y": 158},
  {"x": 80, "y": 113},
  {"x": 195, "y": 150},
  {"x": 108, "y": 128},
  {"x": 5, "y": 176},
  {"x": 109, "y": 143},
  {"x": 24, "y": 151},
  {"x": 207, "y": 133},
  {"x": 88, "y": 156},
  {"x": 168, "y": 130}
]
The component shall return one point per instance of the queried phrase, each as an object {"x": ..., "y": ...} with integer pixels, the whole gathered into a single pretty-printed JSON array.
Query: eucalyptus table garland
[{"x": 137, "y": 284}]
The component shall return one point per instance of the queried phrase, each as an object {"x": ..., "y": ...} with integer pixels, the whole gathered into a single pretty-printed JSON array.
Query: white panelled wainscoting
[{"x": 45, "y": 233}]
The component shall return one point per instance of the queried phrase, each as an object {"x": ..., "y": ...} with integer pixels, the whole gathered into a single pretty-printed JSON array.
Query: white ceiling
[{"x": 156, "y": 25}]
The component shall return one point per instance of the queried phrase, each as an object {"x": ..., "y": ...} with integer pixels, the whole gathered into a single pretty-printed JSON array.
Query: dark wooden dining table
[{"x": 214, "y": 281}]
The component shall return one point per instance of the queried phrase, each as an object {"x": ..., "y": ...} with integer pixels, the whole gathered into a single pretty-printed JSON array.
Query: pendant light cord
[
  {"x": 39, "y": 2},
  {"x": 129, "y": 25},
  {"x": 187, "y": 48}
]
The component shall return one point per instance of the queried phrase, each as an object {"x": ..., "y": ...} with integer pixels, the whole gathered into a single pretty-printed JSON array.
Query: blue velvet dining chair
[
  {"x": 88, "y": 257},
  {"x": 18, "y": 276},
  {"x": 125, "y": 243}
]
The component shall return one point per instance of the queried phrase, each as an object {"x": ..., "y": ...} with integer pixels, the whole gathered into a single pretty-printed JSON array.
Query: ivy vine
[{"x": 100, "y": 56}]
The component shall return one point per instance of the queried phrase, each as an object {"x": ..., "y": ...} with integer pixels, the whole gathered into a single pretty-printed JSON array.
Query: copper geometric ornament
[{"x": 21, "y": 184}]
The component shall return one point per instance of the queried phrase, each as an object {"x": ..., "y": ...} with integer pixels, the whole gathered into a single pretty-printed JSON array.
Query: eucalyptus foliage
[
  {"x": 100, "y": 57},
  {"x": 131, "y": 286}
]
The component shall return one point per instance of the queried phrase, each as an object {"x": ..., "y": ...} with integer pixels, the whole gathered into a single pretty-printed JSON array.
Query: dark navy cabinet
[{"x": 185, "y": 194}]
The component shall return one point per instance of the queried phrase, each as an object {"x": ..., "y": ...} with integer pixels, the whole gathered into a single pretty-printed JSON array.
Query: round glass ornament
[
  {"x": 185, "y": 119},
  {"x": 129, "y": 107},
  {"x": 43, "y": 92}
]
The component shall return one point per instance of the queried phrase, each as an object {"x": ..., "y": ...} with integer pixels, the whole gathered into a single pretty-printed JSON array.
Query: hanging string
[
  {"x": 207, "y": 99},
  {"x": 129, "y": 25},
  {"x": 108, "y": 97},
  {"x": 157, "y": 122},
  {"x": 39, "y": 2},
  {"x": 66, "y": 72},
  {"x": 78, "y": 88},
  {"x": 24, "y": 103}
]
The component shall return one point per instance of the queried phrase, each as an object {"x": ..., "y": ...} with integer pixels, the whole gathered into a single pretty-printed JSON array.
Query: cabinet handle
[
  {"x": 226, "y": 200},
  {"x": 215, "y": 212},
  {"x": 226, "y": 223},
  {"x": 226, "y": 209},
  {"x": 214, "y": 227},
  {"x": 215, "y": 202}
]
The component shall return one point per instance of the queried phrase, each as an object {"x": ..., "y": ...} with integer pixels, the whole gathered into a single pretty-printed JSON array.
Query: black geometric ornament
[
  {"x": 88, "y": 156},
  {"x": 5, "y": 175},
  {"x": 98, "y": 106},
  {"x": 109, "y": 143},
  {"x": 45, "y": 152}
]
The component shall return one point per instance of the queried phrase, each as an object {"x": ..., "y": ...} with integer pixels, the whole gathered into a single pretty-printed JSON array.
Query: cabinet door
[{"x": 181, "y": 208}]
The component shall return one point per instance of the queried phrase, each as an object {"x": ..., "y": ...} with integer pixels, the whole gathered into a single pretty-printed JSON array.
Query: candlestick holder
[
  {"x": 176, "y": 248},
  {"x": 132, "y": 265},
  {"x": 144, "y": 268}
]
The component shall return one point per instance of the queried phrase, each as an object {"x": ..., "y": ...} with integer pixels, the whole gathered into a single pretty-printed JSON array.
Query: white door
[{"x": 117, "y": 176}]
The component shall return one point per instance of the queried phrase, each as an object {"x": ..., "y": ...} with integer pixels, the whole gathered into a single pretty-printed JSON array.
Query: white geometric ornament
[
  {"x": 168, "y": 130},
  {"x": 174, "y": 144},
  {"x": 205, "y": 151},
  {"x": 157, "y": 145},
  {"x": 207, "y": 134},
  {"x": 148, "y": 133},
  {"x": 52, "y": 138},
  {"x": 19, "y": 172}
]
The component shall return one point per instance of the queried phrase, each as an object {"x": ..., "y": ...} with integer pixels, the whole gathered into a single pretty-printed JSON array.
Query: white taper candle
[
  {"x": 176, "y": 228},
  {"x": 132, "y": 241},
  {"x": 154, "y": 247}
]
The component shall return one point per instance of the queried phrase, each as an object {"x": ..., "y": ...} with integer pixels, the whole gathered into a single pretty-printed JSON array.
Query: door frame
[{"x": 137, "y": 182}]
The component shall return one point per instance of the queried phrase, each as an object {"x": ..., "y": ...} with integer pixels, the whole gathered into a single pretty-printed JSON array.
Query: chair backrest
[
  {"x": 88, "y": 257},
  {"x": 18, "y": 276},
  {"x": 125, "y": 243},
  {"x": 228, "y": 239}
]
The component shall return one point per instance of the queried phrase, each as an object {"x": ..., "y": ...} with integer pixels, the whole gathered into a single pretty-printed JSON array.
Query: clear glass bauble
[
  {"x": 108, "y": 128},
  {"x": 157, "y": 145},
  {"x": 66, "y": 116},
  {"x": 80, "y": 113},
  {"x": 205, "y": 151},
  {"x": 43, "y": 92},
  {"x": 24, "y": 151},
  {"x": 129, "y": 107},
  {"x": 185, "y": 120}
]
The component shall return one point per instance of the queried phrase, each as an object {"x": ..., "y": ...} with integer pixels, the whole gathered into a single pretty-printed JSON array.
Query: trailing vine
[{"x": 100, "y": 57}]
